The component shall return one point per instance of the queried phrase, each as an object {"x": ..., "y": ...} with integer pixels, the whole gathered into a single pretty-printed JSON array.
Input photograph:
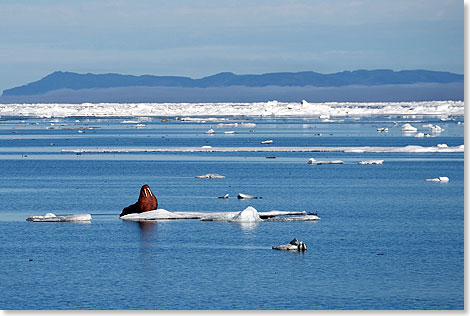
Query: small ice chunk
[
  {"x": 51, "y": 217},
  {"x": 382, "y": 129},
  {"x": 324, "y": 116},
  {"x": 245, "y": 196},
  {"x": 210, "y": 131},
  {"x": 436, "y": 129},
  {"x": 440, "y": 179},
  {"x": 267, "y": 142},
  {"x": 313, "y": 161},
  {"x": 371, "y": 162},
  {"x": 248, "y": 215},
  {"x": 210, "y": 176},
  {"x": 419, "y": 135},
  {"x": 206, "y": 147},
  {"x": 224, "y": 196},
  {"x": 442, "y": 146},
  {"x": 408, "y": 128},
  {"x": 229, "y": 132}
]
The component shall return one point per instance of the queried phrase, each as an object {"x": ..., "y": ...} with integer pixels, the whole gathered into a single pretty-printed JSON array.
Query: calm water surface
[{"x": 386, "y": 239}]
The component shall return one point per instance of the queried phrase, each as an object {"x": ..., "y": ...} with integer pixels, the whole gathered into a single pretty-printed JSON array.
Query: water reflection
[
  {"x": 248, "y": 226},
  {"x": 147, "y": 229}
]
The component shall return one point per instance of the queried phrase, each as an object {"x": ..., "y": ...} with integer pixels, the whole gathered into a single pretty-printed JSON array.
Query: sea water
[{"x": 387, "y": 239}]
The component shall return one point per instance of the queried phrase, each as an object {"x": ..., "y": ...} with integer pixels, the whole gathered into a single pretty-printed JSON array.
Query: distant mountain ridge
[{"x": 74, "y": 81}]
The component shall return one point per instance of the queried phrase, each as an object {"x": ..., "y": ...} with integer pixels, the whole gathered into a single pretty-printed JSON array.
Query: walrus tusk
[{"x": 145, "y": 192}]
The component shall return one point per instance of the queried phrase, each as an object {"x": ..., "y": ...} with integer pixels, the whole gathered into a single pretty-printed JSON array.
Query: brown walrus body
[{"x": 147, "y": 202}]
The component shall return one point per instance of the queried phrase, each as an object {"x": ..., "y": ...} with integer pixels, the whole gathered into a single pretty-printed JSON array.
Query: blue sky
[{"x": 200, "y": 38}]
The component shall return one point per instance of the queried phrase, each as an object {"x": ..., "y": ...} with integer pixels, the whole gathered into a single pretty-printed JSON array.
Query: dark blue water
[{"x": 386, "y": 239}]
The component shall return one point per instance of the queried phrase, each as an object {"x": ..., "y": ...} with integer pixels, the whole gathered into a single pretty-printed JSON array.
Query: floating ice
[
  {"x": 206, "y": 147},
  {"x": 229, "y": 132},
  {"x": 250, "y": 214},
  {"x": 154, "y": 215},
  {"x": 245, "y": 196},
  {"x": 419, "y": 135},
  {"x": 382, "y": 129},
  {"x": 371, "y": 162},
  {"x": 51, "y": 217},
  {"x": 224, "y": 196},
  {"x": 270, "y": 108},
  {"x": 313, "y": 161},
  {"x": 266, "y": 142},
  {"x": 408, "y": 128},
  {"x": 368, "y": 149},
  {"x": 442, "y": 146},
  {"x": 440, "y": 179},
  {"x": 210, "y": 131},
  {"x": 436, "y": 129},
  {"x": 210, "y": 176}
]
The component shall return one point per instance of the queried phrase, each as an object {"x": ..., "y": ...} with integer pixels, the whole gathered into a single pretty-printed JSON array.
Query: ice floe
[
  {"x": 210, "y": 176},
  {"x": 408, "y": 128},
  {"x": 210, "y": 131},
  {"x": 51, "y": 217},
  {"x": 382, "y": 129},
  {"x": 313, "y": 161},
  {"x": 249, "y": 214},
  {"x": 267, "y": 142},
  {"x": 363, "y": 149},
  {"x": 242, "y": 196},
  {"x": 440, "y": 179},
  {"x": 203, "y": 110},
  {"x": 371, "y": 162}
]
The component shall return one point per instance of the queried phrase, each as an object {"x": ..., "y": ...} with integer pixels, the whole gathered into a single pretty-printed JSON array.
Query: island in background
[{"x": 355, "y": 86}]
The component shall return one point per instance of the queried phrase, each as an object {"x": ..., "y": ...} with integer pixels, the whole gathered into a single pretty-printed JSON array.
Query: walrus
[{"x": 146, "y": 202}]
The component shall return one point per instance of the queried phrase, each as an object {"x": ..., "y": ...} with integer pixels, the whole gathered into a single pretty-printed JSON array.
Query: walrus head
[{"x": 147, "y": 201}]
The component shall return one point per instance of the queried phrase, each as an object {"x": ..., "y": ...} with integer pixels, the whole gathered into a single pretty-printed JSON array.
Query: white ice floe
[
  {"x": 210, "y": 176},
  {"x": 440, "y": 179},
  {"x": 223, "y": 196},
  {"x": 202, "y": 110},
  {"x": 229, "y": 132},
  {"x": 371, "y": 162},
  {"x": 436, "y": 129},
  {"x": 242, "y": 196},
  {"x": 210, "y": 131},
  {"x": 51, "y": 217},
  {"x": 442, "y": 146},
  {"x": 364, "y": 149},
  {"x": 313, "y": 161},
  {"x": 408, "y": 128},
  {"x": 382, "y": 129},
  {"x": 206, "y": 147},
  {"x": 250, "y": 214},
  {"x": 419, "y": 135},
  {"x": 227, "y": 125},
  {"x": 248, "y": 125},
  {"x": 267, "y": 142}
]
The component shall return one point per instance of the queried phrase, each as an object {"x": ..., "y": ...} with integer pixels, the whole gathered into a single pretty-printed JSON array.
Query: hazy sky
[{"x": 200, "y": 38}]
